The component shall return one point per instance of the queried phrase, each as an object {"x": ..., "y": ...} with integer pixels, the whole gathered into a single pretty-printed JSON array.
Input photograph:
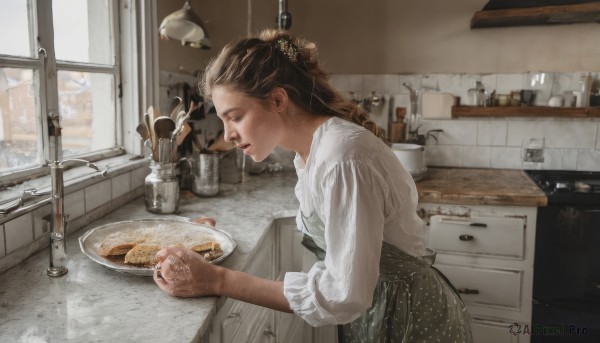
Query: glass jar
[{"x": 162, "y": 188}]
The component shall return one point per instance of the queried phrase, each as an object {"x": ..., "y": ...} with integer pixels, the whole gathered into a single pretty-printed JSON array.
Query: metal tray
[{"x": 91, "y": 240}]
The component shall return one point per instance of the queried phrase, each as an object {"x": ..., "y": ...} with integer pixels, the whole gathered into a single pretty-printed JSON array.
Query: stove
[
  {"x": 566, "y": 280},
  {"x": 568, "y": 187}
]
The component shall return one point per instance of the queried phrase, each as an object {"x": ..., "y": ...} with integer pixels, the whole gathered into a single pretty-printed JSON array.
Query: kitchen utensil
[
  {"x": 220, "y": 144},
  {"x": 149, "y": 126},
  {"x": 412, "y": 158},
  {"x": 174, "y": 108},
  {"x": 92, "y": 239},
  {"x": 142, "y": 130},
  {"x": 164, "y": 150},
  {"x": 164, "y": 127},
  {"x": 397, "y": 128}
]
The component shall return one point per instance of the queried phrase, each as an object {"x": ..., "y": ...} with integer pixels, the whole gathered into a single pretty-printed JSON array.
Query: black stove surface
[{"x": 568, "y": 187}]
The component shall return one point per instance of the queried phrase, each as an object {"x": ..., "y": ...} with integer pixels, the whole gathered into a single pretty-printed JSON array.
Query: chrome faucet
[{"x": 58, "y": 222}]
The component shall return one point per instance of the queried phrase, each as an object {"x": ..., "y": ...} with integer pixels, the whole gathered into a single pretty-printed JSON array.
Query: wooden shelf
[
  {"x": 542, "y": 15},
  {"x": 529, "y": 111}
]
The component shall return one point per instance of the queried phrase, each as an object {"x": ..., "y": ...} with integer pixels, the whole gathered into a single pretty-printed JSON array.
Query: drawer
[
  {"x": 485, "y": 286},
  {"x": 492, "y": 332},
  {"x": 477, "y": 235}
]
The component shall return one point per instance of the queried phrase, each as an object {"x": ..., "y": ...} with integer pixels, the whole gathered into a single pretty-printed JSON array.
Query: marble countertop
[
  {"x": 466, "y": 186},
  {"x": 92, "y": 303}
]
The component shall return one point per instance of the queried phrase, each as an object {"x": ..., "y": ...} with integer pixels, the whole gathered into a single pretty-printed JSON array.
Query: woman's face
[{"x": 252, "y": 124}]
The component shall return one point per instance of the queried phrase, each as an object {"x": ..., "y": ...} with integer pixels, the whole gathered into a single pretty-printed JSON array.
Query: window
[{"x": 59, "y": 81}]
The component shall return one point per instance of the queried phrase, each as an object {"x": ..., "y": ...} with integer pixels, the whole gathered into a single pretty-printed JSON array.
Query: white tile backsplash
[
  {"x": 18, "y": 232},
  {"x": 557, "y": 134},
  {"x": 380, "y": 84},
  {"x": 2, "y": 246},
  {"x": 41, "y": 225},
  {"x": 121, "y": 184},
  {"x": 588, "y": 160},
  {"x": 492, "y": 133},
  {"x": 569, "y": 143},
  {"x": 443, "y": 155},
  {"x": 476, "y": 156},
  {"x": 97, "y": 195},
  {"x": 506, "y": 157},
  {"x": 506, "y": 83},
  {"x": 560, "y": 159},
  {"x": 138, "y": 177},
  {"x": 75, "y": 204},
  {"x": 349, "y": 83}
]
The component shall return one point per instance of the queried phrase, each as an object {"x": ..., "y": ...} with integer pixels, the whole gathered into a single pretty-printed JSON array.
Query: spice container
[{"x": 161, "y": 188}]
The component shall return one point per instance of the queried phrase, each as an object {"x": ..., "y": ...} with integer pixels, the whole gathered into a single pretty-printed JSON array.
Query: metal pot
[{"x": 412, "y": 158}]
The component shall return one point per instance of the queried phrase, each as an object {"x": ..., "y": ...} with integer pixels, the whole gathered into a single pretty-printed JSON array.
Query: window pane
[
  {"x": 14, "y": 28},
  {"x": 87, "y": 109},
  {"x": 83, "y": 31},
  {"x": 20, "y": 138}
]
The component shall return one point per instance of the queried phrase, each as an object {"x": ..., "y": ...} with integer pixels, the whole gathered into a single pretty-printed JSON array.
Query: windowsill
[{"x": 75, "y": 179}]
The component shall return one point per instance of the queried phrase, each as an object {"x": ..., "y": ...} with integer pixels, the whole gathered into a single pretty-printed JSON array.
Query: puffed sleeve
[{"x": 340, "y": 288}]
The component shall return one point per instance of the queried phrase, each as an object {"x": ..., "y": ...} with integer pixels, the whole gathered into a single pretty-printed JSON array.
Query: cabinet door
[
  {"x": 485, "y": 286},
  {"x": 477, "y": 235},
  {"x": 494, "y": 332}
]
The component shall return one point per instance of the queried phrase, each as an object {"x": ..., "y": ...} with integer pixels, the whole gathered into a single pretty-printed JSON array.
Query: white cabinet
[
  {"x": 235, "y": 321},
  {"x": 487, "y": 254}
]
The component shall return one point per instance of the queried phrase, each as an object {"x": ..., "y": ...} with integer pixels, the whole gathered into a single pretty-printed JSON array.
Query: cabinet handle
[
  {"x": 467, "y": 291},
  {"x": 478, "y": 224},
  {"x": 466, "y": 238}
]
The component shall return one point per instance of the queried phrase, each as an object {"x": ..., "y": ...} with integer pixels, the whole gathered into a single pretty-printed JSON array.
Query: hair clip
[{"x": 288, "y": 49}]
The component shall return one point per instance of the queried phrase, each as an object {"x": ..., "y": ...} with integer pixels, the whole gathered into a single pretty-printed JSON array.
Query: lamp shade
[{"x": 185, "y": 25}]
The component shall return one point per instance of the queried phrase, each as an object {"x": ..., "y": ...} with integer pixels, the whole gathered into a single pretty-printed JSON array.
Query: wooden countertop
[{"x": 465, "y": 186}]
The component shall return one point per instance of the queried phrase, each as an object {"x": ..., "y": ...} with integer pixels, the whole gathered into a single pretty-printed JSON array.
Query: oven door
[
  {"x": 566, "y": 289},
  {"x": 567, "y": 254}
]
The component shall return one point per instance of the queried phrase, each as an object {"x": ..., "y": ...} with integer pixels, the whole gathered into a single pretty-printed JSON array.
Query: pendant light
[{"x": 186, "y": 26}]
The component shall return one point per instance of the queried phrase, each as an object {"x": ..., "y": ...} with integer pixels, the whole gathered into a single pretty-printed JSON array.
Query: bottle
[
  {"x": 161, "y": 188},
  {"x": 585, "y": 83}
]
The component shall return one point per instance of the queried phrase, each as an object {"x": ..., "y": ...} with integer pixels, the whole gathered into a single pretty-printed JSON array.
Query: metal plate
[{"x": 91, "y": 240}]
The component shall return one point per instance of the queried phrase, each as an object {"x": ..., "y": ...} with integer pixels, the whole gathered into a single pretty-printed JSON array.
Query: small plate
[{"x": 91, "y": 240}]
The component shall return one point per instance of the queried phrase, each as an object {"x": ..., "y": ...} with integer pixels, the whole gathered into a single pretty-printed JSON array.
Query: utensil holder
[
  {"x": 162, "y": 188},
  {"x": 206, "y": 175}
]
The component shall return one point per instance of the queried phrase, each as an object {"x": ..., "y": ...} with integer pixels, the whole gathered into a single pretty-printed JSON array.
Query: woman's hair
[{"x": 255, "y": 66}]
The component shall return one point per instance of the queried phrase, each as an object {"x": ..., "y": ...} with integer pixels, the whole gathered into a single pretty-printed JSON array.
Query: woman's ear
[{"x": 279, "y": 99}]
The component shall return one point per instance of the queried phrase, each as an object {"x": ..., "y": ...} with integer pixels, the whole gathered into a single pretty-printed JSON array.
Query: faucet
[{"x": 58, "y": 221}]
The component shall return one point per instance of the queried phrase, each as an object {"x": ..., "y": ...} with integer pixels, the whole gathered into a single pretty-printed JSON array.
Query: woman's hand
[{"x": 185, "y": 273}]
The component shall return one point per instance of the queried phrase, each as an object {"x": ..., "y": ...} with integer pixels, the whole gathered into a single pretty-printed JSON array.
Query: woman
[{"x": 357, "y": 205}]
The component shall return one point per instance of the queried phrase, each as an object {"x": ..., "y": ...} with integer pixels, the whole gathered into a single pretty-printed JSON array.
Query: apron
[{"x": 412, "y": 302}]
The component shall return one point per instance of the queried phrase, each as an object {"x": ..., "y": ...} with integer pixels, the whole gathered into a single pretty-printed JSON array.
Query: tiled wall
[
  {"x": 23, "y": 236},
  {"x": 570, "y": 144}
]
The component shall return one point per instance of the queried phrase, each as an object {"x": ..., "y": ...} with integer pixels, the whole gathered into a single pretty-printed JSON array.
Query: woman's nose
[{"x": 228, "y": 134}]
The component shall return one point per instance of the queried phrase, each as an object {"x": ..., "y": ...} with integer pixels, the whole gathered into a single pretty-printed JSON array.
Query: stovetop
[{"x": 568, "y": 187}]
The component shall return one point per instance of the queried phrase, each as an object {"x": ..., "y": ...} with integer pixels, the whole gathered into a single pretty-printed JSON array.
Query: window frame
[{"x": 135, "y": 78}]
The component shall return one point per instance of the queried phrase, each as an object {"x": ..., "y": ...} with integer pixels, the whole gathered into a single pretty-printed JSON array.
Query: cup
[{"x": 205, "y": 168}]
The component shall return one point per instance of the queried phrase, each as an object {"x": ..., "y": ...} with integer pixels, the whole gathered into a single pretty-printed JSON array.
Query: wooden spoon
[{"x": 164, "y": 127}]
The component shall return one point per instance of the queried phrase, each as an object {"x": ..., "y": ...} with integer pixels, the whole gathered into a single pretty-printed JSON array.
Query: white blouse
[{"x": 357, "y": 187}]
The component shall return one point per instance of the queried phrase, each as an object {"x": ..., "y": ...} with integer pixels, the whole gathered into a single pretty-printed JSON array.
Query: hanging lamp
[{"x": 186, "y": 26}]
